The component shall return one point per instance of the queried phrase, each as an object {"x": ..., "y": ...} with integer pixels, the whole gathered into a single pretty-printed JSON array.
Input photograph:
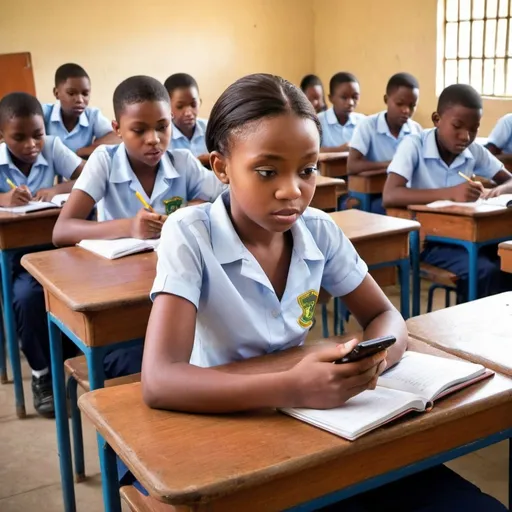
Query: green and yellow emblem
[
  {"x": 307, "y": 302},
  {"x": 172, "y": 204}
]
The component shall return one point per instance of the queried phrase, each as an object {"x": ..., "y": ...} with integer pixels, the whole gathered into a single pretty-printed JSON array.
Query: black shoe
[{"x": 43, "y": 396}]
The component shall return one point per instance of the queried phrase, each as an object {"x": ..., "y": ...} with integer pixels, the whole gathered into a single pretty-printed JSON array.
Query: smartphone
[{"x": 366, "y": 349}]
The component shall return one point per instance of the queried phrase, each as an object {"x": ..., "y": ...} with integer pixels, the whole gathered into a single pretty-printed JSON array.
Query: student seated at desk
[
  {"x": 188, "y": 130},
  {"x": 80, "y": 127},
  {"x": 339, "y": 122},
  {"x": 376, "y": 138},
  {"x": 242, "y": 276},
  {"x": 313, "y": 88},
  {"x": 166, "y": 179},
  {"x": 31, "y": 161},
  {"x": 499, "y": 142},
  {"x": 427, "y": 168}
]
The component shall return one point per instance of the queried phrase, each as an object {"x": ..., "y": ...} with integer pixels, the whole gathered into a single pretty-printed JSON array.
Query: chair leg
[
  {"x": 447, "y": 292},
  {"x": 76, "y": 424},
  {"x": 430, "y": 297}
]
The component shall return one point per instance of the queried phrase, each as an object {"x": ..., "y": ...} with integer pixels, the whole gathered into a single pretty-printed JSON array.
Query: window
[{"x": 475, "y": 45}]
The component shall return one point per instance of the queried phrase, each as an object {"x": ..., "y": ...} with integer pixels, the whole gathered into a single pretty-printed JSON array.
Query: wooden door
[{"x": 16, "y": 73}]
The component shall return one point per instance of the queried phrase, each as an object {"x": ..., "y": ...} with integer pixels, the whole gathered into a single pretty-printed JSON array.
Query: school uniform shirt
[
  {"x": 202, "y": 259},
  {"x": 501, "y": 135},
  {"x": 373, "y": 139},
  {"x": 92, "y": 124},
  {"x": 335, "y": 134},
  {"x": 109, "y": 179},
  {"x": 196, "y": 145},
  {"x": 417, "y": 159},
  {"x": 54, "y": 160}
]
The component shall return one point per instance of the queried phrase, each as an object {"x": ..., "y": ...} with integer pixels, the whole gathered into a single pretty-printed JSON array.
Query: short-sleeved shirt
[
  {"x": 197, "y": 144},
  {"x": 92, "y": 124},
  {"x": 501, "y": 135},
  {"x": 335, "y": 134},
  {"x": 202, "y": 259},
  {"x": 54, "y": 160},
  {"x": 109, "y": 179},
  {"x": 417, "y": 159},
  {"x": 373, "y": 139}
]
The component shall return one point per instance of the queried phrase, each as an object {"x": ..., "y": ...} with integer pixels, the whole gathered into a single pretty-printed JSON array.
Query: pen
[
  {"x": 465, "y": 177},
  {"x": 10, "y": 183},
  {"x": 144, "y": 202}
]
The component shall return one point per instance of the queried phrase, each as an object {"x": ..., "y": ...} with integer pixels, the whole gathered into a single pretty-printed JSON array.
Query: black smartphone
[{"x": 366, "y": 349}]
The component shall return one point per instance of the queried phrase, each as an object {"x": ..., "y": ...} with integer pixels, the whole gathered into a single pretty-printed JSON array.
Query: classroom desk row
[{"x": 268, "y": 461}]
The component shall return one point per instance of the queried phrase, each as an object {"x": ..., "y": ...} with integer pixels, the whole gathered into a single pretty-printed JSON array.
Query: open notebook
[
  {"x": 493, "y": 202},
  {"x": 411, "y": 385},
  {"x": 35, "y": 206},
  {"x": 113, "y": 249}
]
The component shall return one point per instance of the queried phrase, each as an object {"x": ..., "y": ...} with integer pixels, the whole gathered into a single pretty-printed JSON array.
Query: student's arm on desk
[
  {"x": 47, "y": 194},
  {"x": 396, "y": 193},
  {"x": 170, "y": 382},
  {"x": 72, "y": 227},
  {"x": 504, "y": 181},
  {"x": 109, "y": 138},
  {"x": 357, "y": 163}
]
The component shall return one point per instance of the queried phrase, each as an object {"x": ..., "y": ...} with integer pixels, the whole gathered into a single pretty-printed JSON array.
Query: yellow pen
[
  {"x": 144, "y": 202},
  {"x": 11, "y": 184},
  {"x": 465, "y": 177}
]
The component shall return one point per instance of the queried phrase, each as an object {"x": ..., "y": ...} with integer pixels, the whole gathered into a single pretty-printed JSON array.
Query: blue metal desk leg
[
  {"x": 109, "y": 478},
  {"x": 510, "y": 473},
  {"x": 472, "y": 249},
  {"x": 3, "y": 362},
  {"x": 61, "y": 417},
  {"x": 404, "y": 270},
  {"x": 414, "y": 249},
  {"x": 11, "y": 333},
  {"x": 76, "y": 425}
]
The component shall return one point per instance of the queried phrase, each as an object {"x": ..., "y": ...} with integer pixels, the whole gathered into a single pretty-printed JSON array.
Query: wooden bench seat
[{"x": 438, "y": 275}]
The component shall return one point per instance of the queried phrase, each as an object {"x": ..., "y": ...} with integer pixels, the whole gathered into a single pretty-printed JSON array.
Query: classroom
[{"x": 171, "y": 307}]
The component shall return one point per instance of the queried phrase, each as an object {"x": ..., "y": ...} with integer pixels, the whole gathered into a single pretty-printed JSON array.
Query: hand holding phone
[{"x": 367, "y": 348}]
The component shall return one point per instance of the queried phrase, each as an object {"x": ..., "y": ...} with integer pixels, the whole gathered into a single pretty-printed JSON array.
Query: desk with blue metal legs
[
  {"x": 333, "y": 165},
  {"x": 100, "y": 305},
  {"x": 468, "y": 227},
  {"x": 365, "y": 186},
  {"x": 382, "y": 241},
  {"x": 18, "y": 232},
  {"x": 300, "y": 467}
]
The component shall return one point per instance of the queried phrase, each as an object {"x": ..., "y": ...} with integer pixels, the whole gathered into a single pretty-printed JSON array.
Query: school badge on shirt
[
  {"x": 172, "y": 204},
  {"x": 307, "y": 302}
]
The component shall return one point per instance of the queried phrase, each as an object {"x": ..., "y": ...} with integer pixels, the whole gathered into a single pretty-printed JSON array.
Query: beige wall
[
  {"x": 216, "y": 41},
  {"x": 375, "y": 39}
]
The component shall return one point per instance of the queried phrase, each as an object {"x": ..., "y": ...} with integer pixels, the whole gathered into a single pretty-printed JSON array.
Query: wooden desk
[
  {"x": 471, "y": 228},
  {"x": 365, "y": 185},
  {"x": 327, "y": 192},
  {"x": 333, "y": 165},
  {"x": 99, "y": 304},
  {"x": 269, "y": 461},
  {"x": 480, "y": 331},
  {"x": 505, "y": 253},
  {"x": 18, "y": 232},
  {"x": 381, "y": 241}
]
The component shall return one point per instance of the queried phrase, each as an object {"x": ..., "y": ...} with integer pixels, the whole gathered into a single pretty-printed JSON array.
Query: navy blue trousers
[{"x": 456, "y": 259}]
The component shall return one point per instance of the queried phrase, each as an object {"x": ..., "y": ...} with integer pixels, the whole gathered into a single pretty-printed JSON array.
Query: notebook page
[
  {"x": 115, "y": 248},
  {"x": 60, "y": 199},
  {"x": 360, "y": 414},
  {"x": 31, "y": 206},
  {"x": 492, "y": 202},
  {"x": 427, "y": 375}
]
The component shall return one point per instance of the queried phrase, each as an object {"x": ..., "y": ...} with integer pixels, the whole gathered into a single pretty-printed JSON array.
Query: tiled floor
[{"x": 29, "y": 472}]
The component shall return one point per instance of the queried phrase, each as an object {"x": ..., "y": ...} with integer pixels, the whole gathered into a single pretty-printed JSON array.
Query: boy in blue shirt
[
  {"x": 427, "y": 168},
  {"x": 338, "y": 122},
  {"x": 376, "y": 137},
  {"x": 188, "y": 129},
  {"x": 80, "y": 127},
  {"x": 167, "y": 179},
  {"x": 31, "y": 161},
  {"x": 313, "y": 88},
  {"x": 499, "y": 142}
]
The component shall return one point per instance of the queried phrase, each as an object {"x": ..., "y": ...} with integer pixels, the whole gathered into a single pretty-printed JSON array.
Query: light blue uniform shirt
[
  {"x": 373, "y": 139},
  {"x": 501, "y": 135},
  {"x": 417, "y": 159},
  {"x": 197, "y": 144},
  {"x": 109, "y": 179},
  {"x": 335, "y": 134},
  {"x": 92, "y": 124},
  {"x": 54, "y": 160},
  {"x": 202, "y": 259}
]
